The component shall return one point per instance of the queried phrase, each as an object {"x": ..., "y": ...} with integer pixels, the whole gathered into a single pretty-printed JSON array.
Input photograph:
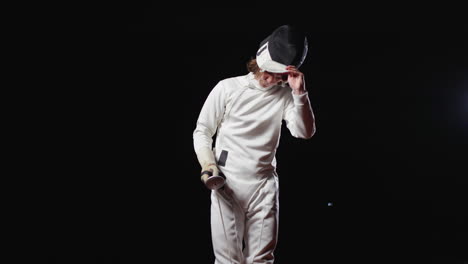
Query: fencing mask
[{"x": 285, "y": 46}]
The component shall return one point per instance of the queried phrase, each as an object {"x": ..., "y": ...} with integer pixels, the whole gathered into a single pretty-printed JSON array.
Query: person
[{"x": 246, "y": 113}]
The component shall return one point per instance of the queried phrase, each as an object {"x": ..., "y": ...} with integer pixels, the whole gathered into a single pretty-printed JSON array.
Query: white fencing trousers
[{"x": 245, "y": 235}]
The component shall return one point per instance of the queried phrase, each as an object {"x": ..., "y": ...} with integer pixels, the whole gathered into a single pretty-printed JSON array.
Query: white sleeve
[
  {"x": 299, "y": 116},
  {"x": 209, "y": 118}
]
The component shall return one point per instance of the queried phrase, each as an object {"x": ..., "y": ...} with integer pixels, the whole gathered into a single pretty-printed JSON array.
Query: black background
[{"x": 390, "y": 94}]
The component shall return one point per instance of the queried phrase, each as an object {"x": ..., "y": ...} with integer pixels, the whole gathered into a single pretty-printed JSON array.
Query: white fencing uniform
[{"x": 247, "y": 119}]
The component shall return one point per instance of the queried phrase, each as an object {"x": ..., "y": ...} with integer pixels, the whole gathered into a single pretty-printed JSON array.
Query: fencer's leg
[
  {"x": 261, "y": 228},
  {"x": 227, "y": 228}
]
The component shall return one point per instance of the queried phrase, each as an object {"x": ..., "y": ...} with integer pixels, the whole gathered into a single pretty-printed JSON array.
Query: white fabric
[
  {"x": 247, "y": 121},
  {"x": 266, "y": 63},
  {"x": 205, "y": 157},
  {"x": 231, "y": 224}
]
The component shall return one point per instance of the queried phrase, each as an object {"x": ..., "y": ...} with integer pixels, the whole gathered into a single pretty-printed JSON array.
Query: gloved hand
[
  {"x": 209, "y": 170},
  {"x": 207, "y": 162},
  {"x": 210, "y": 174}
]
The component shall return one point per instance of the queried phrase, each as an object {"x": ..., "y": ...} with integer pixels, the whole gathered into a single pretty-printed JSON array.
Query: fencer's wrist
[
  {"x": 299, "y": 91},
  {"x": 209, "y": 166}
]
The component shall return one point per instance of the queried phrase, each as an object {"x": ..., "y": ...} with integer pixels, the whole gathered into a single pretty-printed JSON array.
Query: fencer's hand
[
  {"x": 296, "y": 80},
  {"x": 211, "y": 168}
]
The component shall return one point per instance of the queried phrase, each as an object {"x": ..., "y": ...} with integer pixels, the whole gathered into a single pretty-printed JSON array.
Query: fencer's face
[{"x": 268, "y": 79}]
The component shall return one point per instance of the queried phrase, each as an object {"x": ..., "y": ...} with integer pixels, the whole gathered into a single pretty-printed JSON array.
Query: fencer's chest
[{"x": 254, "y": 109}]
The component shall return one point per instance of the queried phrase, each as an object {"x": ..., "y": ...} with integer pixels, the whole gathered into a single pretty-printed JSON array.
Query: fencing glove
[{"x": 210, "y": 174}]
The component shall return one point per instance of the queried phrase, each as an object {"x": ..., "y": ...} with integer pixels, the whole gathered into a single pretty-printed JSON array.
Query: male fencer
[{"x": 246, "y": 114}]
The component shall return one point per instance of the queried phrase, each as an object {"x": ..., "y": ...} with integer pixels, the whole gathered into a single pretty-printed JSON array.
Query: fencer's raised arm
[
  {"x": 209, "y": 118},
  {"x": 299, "y": 116}
]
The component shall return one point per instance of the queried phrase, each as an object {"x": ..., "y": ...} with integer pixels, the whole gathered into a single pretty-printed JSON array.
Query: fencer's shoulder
[{"x": 233, "y": 83}]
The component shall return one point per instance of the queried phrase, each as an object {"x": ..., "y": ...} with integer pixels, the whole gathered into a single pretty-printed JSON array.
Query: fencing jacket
[{"x": 247, "y": 120}]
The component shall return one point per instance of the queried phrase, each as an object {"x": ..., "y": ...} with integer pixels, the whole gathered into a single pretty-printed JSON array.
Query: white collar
[{"x": 253, "y": 83}]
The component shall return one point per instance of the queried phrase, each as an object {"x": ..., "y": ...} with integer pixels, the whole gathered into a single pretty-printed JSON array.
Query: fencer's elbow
[
  {"x": 310, "y": 133},
  {"x": 309, "y": 129},
  {"x": 305, "y": 135}
]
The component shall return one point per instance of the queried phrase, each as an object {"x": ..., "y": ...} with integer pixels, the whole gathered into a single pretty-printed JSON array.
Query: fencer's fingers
[
  {"x": 292, "y": 67},
  {"x": 293, "y": 74},
  {"x": 294, "y": 71},
  {"x": 204, "y": 177},
  {"x": 206, "y": 174},
  {"x": 215, "y": 171}
]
